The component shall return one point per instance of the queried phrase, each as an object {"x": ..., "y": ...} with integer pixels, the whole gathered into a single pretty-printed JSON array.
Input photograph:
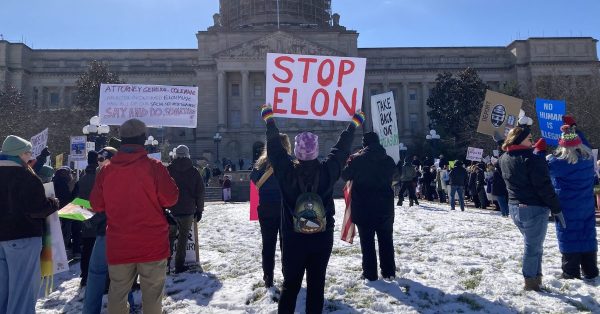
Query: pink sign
[{"x": 253, "y": 202}]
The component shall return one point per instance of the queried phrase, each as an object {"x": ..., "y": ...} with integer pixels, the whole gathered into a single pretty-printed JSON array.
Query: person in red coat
[{"x": 133, "y": 191}]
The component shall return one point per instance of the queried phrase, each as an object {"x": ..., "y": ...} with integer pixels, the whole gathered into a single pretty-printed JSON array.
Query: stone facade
[{"x": 229, "y": 69}]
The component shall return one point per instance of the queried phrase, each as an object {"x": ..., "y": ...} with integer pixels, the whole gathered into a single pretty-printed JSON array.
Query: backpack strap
[
  {"x": 313, "y": 187},
  {"x": 264, "y": 178}
]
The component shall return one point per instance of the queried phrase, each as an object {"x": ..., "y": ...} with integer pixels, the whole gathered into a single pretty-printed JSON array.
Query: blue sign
[{"x": 550, "y": 113}]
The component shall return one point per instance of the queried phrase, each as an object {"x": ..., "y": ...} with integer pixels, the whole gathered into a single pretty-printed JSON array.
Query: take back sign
[{"x": 315, "y": 87}]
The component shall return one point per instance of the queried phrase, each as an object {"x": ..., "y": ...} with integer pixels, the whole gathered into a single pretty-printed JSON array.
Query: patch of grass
[
  {"x": 473, "y": 280},
  {"x": 473, "y": 305}
]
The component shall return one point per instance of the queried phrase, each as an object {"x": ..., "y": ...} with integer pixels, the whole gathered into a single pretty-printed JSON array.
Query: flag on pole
[{"x": 348, "y": 227}]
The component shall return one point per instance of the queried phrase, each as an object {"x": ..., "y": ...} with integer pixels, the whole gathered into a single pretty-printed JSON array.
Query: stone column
[
  {"x": 222, "y": 99},
  {"x": 405, "y": 110},
  {"x": 245, "y": 99},
  {"x": 40, "y": 96},
  {"x": 61, "y": 97},
  {"x": 424, "y": 108}
]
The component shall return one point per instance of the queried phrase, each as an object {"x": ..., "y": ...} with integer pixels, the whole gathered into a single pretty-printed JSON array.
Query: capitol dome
[{"x": 292, "y": 13}]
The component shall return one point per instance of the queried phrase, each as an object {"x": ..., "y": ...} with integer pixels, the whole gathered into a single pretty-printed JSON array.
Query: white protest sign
[
  {"x": 474, "y": 154},
  {"x": 385, "y": 125},
  {"x": 192, "y": 254},
  {"x": 315, "y": 87},
  {"x": 59, "y": 253},
  {"x": 39, "y": 142},
  {"x": 156, "y": 105},
  {"x": 78, "y": 147}
]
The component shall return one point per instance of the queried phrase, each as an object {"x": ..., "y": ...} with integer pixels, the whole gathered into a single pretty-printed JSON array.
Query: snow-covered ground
[{"x": 447, "y": 262}]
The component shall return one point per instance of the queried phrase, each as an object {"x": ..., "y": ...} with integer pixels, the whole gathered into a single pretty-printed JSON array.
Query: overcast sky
[{"x": 62, "y": 24}]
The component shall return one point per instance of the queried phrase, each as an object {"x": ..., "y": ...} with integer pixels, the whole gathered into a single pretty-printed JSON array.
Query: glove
[
  {"x": 569, "y": 120},
  {"x": 266, "y": 112},
  {"x": 44, "y": 153},
  {"x": 198, "y": 216},
  {"x": 561, "y": 219},
  {"x": 359, "y": 118},
  {"x": 170, "y": 218}
]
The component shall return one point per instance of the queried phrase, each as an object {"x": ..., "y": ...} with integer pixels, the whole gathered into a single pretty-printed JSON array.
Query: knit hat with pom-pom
[{"x": 568, "y": 138}]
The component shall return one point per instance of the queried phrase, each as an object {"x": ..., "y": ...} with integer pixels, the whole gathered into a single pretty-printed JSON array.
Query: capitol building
[{"x": 228, "y": 67}]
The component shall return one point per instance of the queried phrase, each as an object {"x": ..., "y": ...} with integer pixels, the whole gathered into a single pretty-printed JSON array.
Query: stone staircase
[{"x": 213, "y": 194}]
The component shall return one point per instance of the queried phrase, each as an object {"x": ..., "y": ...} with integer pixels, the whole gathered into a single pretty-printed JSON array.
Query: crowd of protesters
[{"x": 125, "y": 186}]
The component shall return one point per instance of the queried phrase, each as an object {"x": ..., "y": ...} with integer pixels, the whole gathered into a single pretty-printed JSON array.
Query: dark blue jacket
[
  {"x": 269, "y": 192},
  {"x": 574, "y": 185}
]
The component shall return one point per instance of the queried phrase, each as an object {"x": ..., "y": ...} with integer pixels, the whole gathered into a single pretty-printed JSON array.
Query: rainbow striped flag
[{"x": 348, "y": 227}]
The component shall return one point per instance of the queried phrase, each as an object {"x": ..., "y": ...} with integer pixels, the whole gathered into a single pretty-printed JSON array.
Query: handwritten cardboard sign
[
  {"x": 39, "y": 142},
  {"x": 385, "y": 123},
  {"x": 475, "y": 154},
  {"x": 315, "y": 87},
  {"x": 156, "y": 105}
]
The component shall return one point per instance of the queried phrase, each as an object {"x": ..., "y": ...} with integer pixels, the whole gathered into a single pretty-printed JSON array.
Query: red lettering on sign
[
  {"x": 339, "y": 98},
  {"x": 307, "y": 62},
  {"x": 325, "y": 81},
  {"x": 313, "y": 102},
  {"x": 295, "y": 110},
  {"x": 345, "y": 71},
  {"x": 277, "y": 100},
  {"x": 279, "y": 65}
]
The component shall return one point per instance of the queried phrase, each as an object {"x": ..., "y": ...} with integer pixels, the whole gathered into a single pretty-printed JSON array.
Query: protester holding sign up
[
  {"x": 23, "y": 208},
  {"x": 307, "y": 214},
  {"x": 531, "y": 199},
  {"x": 572, "y": 171}
]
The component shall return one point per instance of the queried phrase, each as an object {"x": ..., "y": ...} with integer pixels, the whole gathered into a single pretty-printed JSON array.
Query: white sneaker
[{"x": 391, "y": 278}]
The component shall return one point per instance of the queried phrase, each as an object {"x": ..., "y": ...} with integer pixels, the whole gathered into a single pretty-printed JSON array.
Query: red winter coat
[{"x": 133, "y": 190}]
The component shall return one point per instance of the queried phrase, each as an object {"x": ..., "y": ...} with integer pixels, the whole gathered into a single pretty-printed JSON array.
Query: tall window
[
  {"x": 413, "y": 121},
  {"x": 258, "y": 89},
  {"x": 412, "y": 94},
  {"x": 54, "y": 99},
  {"x": 235, "y": 120},
  {"x": 235, "y": 90}
]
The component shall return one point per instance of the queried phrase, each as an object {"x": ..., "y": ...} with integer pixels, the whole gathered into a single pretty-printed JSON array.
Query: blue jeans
[
  {"x": 461, "y": 196},
  {"x": 532, "y": 221},
  {"x": 96, "y": 282},
  {"x": 503, "y": 203},
  {"x": 20, "y": 274}
]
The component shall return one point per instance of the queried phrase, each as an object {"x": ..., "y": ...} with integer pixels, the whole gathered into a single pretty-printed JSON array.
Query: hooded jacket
[
  {"x": 371, "y": 171},
  {"x": 23, "y": 202},
  {"x": 287, "y": 174},
  {"x": 133, "y": 190},
  {"x": 190, "y": 185},
  {"x": 574, "y": 185}
]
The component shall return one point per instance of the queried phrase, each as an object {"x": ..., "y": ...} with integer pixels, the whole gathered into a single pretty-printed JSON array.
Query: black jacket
[
  {"x": 527, "y": 179},
  {"x": 287, "y": 173},
  {"x": 269, "y": 195},
  {"x": 190, "y": 185},
  {"x": 371, "y": 171},
  {"x": 458, "y": 176},
  {"x": 480, "y": 177},
  {"x": 23, "y": 202},
  {"x": 85, "y": 185},
  {"x": 498, "y": 185}
]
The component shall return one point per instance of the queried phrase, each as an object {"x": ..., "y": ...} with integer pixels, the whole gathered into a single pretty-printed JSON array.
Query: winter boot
[
  {"x": 532, "y": 284},
  {"x": 539, "y": 280},
  {"x": 399, "y": 202},
  {"x": 416, "y": 202}
]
